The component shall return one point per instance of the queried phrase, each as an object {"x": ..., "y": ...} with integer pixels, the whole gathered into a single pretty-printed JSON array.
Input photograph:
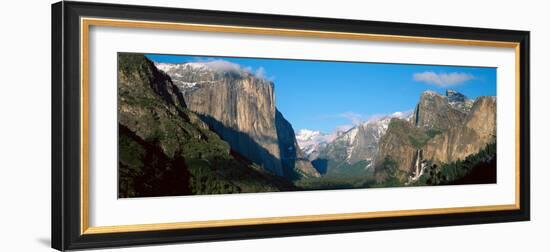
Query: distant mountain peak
[
  {"x": 451, "y": 92},
  {"x": 430, "y": 93},
  {"x": 357, "y": 145},
  {"x": 455, "y": 96},
  {"x": 458, "y": 100},
  {"x": 306, "y": 134},
  {"x": 309, "y": 141}
]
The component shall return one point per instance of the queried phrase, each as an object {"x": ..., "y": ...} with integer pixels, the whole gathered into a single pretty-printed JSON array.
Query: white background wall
[{"x": 25, "y": 124}]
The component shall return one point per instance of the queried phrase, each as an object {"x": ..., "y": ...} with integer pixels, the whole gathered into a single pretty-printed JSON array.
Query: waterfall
[{"x": 419, "y": 166}]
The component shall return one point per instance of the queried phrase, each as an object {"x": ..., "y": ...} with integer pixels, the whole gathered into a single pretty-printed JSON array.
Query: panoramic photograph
[{"x": 201, "y": 125}]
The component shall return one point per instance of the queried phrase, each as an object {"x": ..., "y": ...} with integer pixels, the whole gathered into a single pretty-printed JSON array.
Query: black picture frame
[{"x": 66, "y": 155}]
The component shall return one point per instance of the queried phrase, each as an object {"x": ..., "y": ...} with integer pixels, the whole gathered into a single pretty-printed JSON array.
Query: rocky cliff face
[
  {"x": 293, "y": 160},
  {"x": 435, "y": 111},
  {"x": 400, "y": 143},
  {"x": 236, "y": 104},
  {"x": 240, "y": 107},
  {"x": 459, "y": 101},
  {"x": 365, "y": 144},
  {"x": 355, "y": 148},
  {"x": 165, "y": 149},
  {"x": 474, "y": 133},
  {"x": 443, "y": 128}
]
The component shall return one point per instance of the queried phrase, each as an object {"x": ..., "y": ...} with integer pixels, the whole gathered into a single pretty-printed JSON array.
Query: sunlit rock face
[
  {"x": 445, "y": 128},
  {"x": 477, "y": 130},
  {"x": 240, "y": 107}
]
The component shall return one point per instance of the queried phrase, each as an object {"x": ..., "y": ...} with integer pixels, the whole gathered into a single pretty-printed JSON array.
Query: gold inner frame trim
[
  {"x": 289, "y": 219},
  {"x": 85, "y": 24}
]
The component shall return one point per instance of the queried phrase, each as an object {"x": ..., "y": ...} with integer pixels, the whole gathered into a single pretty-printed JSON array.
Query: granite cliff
[
  {"x": 477, "y": 130},
  {"x": 166, "y": 149},
  {"x": 352, "y": 151},
  {"x": 240, "y": 107},
  {"x": 443, "y": 129}
]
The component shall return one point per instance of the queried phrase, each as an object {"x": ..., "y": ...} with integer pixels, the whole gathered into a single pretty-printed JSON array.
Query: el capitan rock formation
[
  {"x": 166, "y": 149},
  {"x": 240, "y": 107}
]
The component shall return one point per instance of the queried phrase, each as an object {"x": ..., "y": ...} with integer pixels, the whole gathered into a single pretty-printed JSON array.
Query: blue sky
[{"x": 324, "y": 95}]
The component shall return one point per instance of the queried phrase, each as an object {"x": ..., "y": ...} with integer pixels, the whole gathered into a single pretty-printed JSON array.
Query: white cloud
[
  {"x": 260, "y": 72},
  {"x": 227, "y": 66},
  {"x": 442, "y": 79},
  {"x": 353, "y": 117},
  {"x": 223, "y": 66}
]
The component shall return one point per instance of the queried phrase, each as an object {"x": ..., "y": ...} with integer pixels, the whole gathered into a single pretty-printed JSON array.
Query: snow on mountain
[
  {"x": 305, "y": 135},
  {"x": 356, "y": 143},
  {"x": 215, "y": 65},
  {"x": 458, "y": 100},
  {"x": 401, "y": 115},
  {"x": 191, "y": 75},
  {"x": 310, "y": 141},
  {"x": 381, "y": 123},
  {"x": 431, "y": 93}
]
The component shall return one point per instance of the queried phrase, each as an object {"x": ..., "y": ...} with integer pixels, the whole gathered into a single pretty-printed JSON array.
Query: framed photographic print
[{"x": 180, "y": 125}]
